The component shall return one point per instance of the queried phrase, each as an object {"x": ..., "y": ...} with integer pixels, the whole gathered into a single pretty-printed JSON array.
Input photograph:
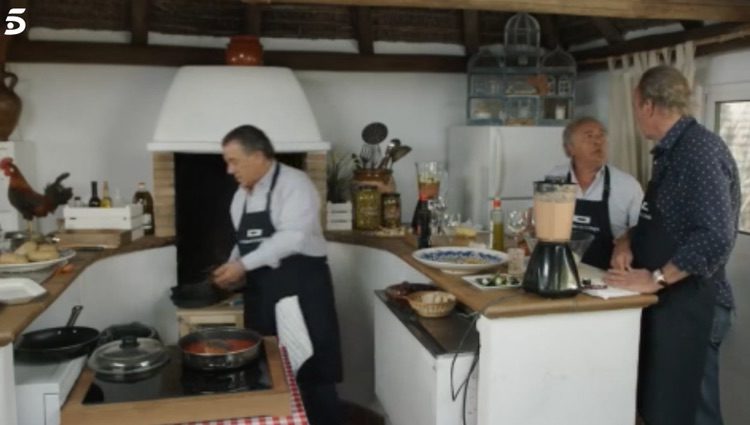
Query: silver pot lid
[{"x": 127, "y": 356}]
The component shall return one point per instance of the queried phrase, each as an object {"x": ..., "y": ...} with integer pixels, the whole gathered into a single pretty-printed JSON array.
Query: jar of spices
[
  {"x": 391, "y": 210},
  {"x": 367, "y": 208}
]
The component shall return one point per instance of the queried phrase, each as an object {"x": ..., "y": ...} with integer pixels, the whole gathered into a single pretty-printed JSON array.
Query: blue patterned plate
[{"x": 459, "y": 259}]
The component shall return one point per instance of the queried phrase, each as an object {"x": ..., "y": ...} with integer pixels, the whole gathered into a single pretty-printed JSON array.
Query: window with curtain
[{"x": 732, "y": 123}]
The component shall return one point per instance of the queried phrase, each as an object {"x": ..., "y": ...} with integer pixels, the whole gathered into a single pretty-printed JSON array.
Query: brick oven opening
[{"x": 203, "y": 227}]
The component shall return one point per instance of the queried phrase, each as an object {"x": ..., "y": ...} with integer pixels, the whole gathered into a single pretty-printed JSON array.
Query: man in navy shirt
[{"x": 678, "y": 250}]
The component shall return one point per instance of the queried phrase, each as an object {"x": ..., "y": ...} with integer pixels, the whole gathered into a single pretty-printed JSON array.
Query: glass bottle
[
  {"x": 424, "y": 226},
  {"x": 143, "y": 197},
  {"x": 106, "y": 199},
  {"x": 94, "y": 201},
  {"x": 497, "y": 233}
]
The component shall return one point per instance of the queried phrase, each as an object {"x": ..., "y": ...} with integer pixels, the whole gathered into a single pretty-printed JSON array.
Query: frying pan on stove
[{"x": 55, "y": 344}]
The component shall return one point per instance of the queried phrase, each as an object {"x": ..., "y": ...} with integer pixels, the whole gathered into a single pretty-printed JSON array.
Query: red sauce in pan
[{"x": 218, "y": 346}]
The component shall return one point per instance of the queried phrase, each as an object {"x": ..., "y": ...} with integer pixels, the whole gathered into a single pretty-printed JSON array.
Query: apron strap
[
  {"x": 273, "y": 185},
  {"x": 605, "y": 192}
]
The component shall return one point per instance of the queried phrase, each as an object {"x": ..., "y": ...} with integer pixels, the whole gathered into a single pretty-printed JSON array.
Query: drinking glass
[{"x": 516, "y": 223}]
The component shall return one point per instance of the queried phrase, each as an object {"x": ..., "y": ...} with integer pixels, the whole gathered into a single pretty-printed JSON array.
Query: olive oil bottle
[{"x": 497, "y": 232}]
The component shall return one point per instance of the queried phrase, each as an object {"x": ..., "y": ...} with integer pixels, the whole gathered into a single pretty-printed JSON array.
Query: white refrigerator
[{"x": 489, "y": 161}]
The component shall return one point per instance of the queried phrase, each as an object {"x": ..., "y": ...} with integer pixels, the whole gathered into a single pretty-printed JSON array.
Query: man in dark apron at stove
[
  {"x": 281, "y": 252},
  {"x": 608, "y": 200},
  {"x": 678, "y": 250}
]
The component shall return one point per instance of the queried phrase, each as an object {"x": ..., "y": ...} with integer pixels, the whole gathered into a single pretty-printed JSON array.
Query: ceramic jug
[
  {"x": 244, "y": 50},
  {"x": 10, "y": 104}
]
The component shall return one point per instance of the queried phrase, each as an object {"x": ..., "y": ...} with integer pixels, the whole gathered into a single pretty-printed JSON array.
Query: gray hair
[
  {"x": 665, "y": 87},
  {"x": 573, "y": 126},
  {"x": 251, "y": 138}
]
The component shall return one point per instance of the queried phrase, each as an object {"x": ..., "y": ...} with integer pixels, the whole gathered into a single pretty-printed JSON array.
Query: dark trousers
[
  {"x": 709, "y": 407},
  {"x": 321, "y": 403}
]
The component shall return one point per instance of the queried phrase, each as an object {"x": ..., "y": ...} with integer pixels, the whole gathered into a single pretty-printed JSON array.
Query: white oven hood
[{"x": 206, "y": 102}]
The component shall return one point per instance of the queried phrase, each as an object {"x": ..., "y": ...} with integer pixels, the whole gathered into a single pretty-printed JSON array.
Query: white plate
[
  {"x": 18, "y": 290},
  {"x": 65, "y": 255},
  {"x": 474, "y": 281},
  {"x": 460, "y": 259}
]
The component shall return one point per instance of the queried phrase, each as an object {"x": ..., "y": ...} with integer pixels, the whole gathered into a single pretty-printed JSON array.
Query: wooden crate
[{"x": 109, "y": 239}]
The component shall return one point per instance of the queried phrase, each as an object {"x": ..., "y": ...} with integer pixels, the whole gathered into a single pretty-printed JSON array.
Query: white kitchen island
[{"x": 541, "y": 361}]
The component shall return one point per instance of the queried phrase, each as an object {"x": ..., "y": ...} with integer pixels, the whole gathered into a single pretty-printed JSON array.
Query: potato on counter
[
  {"x": 12, "y": 258},
  {"x": 30, "y": 251},
  {"x": 26, "y": 247}
]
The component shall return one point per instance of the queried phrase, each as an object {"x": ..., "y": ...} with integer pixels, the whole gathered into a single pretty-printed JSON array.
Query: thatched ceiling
[{"x": 471, "y": 23}]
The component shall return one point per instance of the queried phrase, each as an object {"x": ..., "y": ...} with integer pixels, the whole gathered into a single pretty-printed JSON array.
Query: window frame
[{"x": 727, "y": 92}]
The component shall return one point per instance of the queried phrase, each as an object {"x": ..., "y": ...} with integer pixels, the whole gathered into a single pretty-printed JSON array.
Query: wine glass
[
  {"x": 452, "y": 221},
  {"x": 516, "y": 223}
]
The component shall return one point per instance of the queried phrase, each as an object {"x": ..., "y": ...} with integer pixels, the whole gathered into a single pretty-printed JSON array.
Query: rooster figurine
[{"x": 28, "y": 202}]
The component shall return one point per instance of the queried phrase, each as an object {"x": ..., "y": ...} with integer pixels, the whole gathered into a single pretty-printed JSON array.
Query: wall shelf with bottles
[{"x": 520, "y": 84}]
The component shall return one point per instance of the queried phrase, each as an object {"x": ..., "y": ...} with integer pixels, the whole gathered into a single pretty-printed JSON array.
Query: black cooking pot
[
  {"x": 56, "y": 344},
  {"x": 221, "y": 348},
  {"x": 134, "y": 329}
]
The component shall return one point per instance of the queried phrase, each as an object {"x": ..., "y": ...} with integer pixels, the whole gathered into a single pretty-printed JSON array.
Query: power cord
[{"x": 456, "y": 392}]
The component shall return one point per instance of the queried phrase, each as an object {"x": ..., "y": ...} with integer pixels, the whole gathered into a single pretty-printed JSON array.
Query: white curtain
[{"x": 629, "y": 151}]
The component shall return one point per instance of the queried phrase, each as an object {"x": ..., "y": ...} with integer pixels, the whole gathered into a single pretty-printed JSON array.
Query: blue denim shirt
[{"x": 699, "y": 199}]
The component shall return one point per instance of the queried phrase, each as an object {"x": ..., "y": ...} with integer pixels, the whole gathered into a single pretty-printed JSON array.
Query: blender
[
  {"x": 429, "y": 175},
  {"x": 552, "y": 270}
]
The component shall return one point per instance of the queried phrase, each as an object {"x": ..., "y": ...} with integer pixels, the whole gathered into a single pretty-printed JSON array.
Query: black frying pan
[{"x": 56, "y": 344}]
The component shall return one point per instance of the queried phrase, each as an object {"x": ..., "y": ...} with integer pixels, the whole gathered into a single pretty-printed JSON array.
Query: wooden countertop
[
  {"x": 15, "y": 318},
  {"x": 505, "y": 303}
]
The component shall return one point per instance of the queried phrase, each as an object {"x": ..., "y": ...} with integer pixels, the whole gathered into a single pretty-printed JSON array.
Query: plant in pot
[{"x": 338, "y": 181}]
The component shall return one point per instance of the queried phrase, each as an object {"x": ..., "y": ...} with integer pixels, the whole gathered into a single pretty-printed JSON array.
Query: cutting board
[{"x": 103, "y": 238}]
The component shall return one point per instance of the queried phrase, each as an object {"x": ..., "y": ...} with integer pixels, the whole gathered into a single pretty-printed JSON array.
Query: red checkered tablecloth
[{"x": 298, "y": 416}]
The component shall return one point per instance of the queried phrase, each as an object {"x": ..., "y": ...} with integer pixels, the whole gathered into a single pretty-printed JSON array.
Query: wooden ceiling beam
[
  {"x": 594, "y": 58},
  {"x": 689, "y": 25},
  {"x": 550, "y": 31},
  {"x": 363, "y": 30},
  {"x": 125, "y": 54},
  {"x": 139, "y": 11},
  {"x": 471, "y": 31},
  {"x": 714, "y": 10},
  {"x": 608, "y": 30},
  {"x": 253, "y": 19}
]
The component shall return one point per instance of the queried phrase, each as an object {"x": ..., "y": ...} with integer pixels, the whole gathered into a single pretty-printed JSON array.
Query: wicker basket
[{"x": 418, "y": 301}]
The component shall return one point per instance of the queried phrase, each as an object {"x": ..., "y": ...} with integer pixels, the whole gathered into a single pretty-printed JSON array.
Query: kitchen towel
[
  {"x": 292, "y": 331},
  {"x": 608, "y": 292}
]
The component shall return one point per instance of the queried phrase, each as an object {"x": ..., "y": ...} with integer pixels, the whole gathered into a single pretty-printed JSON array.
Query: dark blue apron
[
  {"x": 675, "y": 331},
  {"x": 307, "y": 277},
  {"x": 593, "y": 217}
]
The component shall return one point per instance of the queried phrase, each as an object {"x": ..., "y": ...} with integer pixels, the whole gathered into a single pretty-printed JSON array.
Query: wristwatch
[{"x": 658, "y": 277}]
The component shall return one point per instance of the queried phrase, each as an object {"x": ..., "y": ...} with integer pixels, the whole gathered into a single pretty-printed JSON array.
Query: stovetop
[{"x": 174, "y": 380}]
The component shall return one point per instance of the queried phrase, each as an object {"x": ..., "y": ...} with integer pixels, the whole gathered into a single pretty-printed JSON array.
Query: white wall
[
  {"x": 416, "y": 107},
  {"x": 91, "y": 120},
  {"x": 95, "y": 120}
]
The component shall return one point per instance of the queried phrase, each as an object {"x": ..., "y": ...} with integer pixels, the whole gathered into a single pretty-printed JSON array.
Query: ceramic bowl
[{"x": 460, "y": 260}]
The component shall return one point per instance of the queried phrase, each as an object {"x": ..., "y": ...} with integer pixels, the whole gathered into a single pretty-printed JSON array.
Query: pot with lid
[
  {"x": 136, "y": 329},
  {"x": 128, "y": 359}
]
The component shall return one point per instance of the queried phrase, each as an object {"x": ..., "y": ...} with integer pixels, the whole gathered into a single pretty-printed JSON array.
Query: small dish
[
  {"x": 496, "y": 281},
  {"x": 460, "y": 260},
  {"x": 19, "y": 290}
]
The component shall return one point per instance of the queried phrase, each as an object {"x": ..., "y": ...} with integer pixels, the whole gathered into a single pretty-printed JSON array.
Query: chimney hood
[{"x": 205, "y": 102}]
